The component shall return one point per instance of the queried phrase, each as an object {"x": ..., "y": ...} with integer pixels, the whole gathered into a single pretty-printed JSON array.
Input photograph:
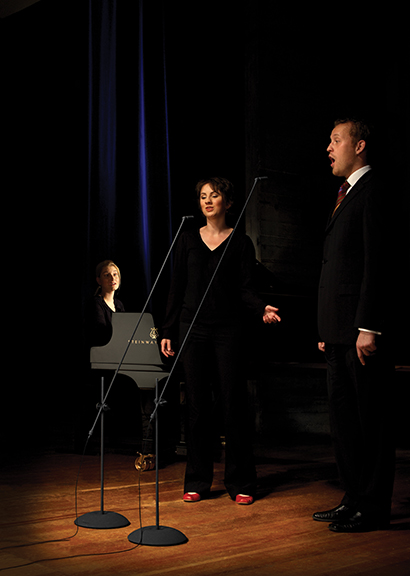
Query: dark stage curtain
[
  {"x": 129, "y": 204},
  {"x": 86, "y": 177}
]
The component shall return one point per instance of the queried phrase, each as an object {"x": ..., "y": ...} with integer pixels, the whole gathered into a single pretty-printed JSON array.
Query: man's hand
[{"x": 365, "y": 345}]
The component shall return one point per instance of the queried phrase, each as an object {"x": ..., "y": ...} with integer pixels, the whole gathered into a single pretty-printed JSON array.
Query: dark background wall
[{"x": 252, "y": 90}]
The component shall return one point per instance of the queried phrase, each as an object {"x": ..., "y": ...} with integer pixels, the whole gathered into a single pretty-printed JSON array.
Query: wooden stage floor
[{"x": 274, "y": 536}]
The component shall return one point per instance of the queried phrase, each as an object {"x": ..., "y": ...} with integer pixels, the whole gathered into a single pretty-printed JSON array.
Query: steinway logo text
[
  {"x": 142, "y": 341},
  {"x": 153, "y": 335}
]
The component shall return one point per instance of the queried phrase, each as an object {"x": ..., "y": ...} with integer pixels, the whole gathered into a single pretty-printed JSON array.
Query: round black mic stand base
[
  {"x": 157, "y": 536},
  {"x": 102, "y": 520}
]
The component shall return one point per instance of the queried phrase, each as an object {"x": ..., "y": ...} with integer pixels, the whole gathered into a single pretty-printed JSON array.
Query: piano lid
[{"x": 143, "y": 361}]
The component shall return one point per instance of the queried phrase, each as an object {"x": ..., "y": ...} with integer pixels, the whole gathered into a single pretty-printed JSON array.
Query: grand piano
[{"x": 143, "y": 361}]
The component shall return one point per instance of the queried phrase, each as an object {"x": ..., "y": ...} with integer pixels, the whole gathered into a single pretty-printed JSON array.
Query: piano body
[{"x": 143, "y": 361}]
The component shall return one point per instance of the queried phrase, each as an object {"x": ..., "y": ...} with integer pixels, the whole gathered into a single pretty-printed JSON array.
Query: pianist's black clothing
[
  {"x": 214, "y": 354},
  {"x": 98, "y": 321}
]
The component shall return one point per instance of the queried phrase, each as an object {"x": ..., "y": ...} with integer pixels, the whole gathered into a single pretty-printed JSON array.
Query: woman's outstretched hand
[{"x": 270, "y": 315}]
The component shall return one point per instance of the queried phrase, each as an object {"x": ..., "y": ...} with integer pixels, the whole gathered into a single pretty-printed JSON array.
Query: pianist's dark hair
[
  {"x": 221, "y": 185},
  {"x": 100, "y": 267}
]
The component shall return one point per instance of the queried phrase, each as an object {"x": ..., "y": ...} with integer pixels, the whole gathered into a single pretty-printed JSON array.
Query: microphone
[{"x": 187, "y": 217}]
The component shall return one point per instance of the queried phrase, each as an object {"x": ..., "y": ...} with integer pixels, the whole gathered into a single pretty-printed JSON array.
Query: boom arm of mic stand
[
  {"x": 138, "y": 323},
  {"x": 204, "y": 296}
]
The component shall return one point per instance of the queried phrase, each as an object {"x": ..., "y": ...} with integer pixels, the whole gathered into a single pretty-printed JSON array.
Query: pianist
[
  {"x": 98, "y": 327},
  {"x": 104, "y": 303}
]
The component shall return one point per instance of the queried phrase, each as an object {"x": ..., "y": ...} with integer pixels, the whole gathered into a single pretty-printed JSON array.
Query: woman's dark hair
[{"x": 221, "y": 185}]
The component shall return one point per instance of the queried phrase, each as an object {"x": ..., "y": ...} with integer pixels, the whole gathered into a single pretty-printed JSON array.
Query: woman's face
[
  {"x": 211, "y": 202},
  {"x": 109, "y": 279}
]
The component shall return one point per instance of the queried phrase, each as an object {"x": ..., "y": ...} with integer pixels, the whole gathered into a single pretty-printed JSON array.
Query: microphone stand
[
  {"x": 102, "y": 519},
  {"x": 161, "y": 535},
  {"x": 157, "y": 535}
]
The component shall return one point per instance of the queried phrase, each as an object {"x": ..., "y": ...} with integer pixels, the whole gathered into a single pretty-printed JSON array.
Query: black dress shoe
[
  {"x": 341, "y": 513},
  {"x": 360, "y": 523}
]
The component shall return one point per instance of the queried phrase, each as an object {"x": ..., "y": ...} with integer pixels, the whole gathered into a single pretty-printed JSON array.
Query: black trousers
[
  {"x": 360, "y": 408},
  {"x": 213, "y": 354}
]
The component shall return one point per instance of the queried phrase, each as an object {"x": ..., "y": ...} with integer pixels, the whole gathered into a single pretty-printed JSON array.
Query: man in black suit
[{"x": 352, "y": 321}]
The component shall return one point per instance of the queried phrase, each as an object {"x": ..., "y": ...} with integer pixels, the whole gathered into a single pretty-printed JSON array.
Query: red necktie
[{"x": 340, "y": 195}]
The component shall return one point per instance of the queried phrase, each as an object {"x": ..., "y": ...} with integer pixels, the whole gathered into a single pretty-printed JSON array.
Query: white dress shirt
[{"x": 353, "y": 178}]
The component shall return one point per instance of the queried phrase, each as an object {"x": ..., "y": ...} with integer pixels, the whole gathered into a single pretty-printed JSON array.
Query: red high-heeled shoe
[
  {"x": 244, "y": 499},
  {"x": 192, "y": 497}
]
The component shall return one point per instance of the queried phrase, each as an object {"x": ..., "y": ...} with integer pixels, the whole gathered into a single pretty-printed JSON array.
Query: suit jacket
[{"x": 352, "y": 287}]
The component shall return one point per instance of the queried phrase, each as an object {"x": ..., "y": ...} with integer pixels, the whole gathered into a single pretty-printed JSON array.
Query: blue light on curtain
[
  {"x": 102, "y": 125},
  {"x": 142, "y": 151},
  {"x": 108, "y": 112},
  {"x": 129, "y": 193},
  {"x": 168, "y": 162}
]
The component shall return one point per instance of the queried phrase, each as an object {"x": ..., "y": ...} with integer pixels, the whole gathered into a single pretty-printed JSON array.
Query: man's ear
[{"x": 360, "y": 146}]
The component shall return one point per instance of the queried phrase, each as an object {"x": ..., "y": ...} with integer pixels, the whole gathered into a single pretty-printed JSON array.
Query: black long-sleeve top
[
  {"x": 98, "y": 320},
  {"x": 231, "y": 292}
]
